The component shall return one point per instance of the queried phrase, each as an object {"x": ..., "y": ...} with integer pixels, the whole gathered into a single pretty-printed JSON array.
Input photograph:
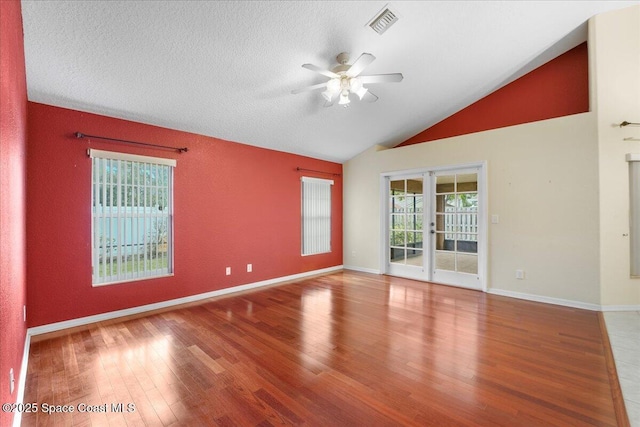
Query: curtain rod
[
  {"x": 311, "y": 170},
  {"x": 626, "y": 123},
  {"x": 80, "y": 135}
]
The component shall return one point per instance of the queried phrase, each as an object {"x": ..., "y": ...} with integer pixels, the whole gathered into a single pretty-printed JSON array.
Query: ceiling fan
[{"x": 345, "y": 79}]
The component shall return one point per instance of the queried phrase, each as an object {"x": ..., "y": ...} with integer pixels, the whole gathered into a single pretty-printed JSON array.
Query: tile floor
[{"x": 624, "y": 334}]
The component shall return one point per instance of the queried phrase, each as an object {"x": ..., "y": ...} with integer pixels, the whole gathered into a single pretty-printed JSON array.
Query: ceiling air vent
[{"x": 383, "y": 20}]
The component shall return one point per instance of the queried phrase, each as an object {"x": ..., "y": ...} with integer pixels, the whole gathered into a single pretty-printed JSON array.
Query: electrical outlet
[
  {"x": 12, "y": 381},
  {"x": 520, "y": 274},
  {"x": 249, "y": 268},
  {"x": 228, "y": 271}
]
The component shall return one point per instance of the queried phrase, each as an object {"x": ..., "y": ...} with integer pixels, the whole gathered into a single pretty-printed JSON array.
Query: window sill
[{"x": 137, "y": 279}]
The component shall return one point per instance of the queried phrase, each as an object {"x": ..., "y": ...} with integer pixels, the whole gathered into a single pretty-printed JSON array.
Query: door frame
[{"x": 483, "y": 199}]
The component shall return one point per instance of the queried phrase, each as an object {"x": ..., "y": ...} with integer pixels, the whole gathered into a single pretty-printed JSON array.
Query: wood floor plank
[{"x": 345, "y": 348}]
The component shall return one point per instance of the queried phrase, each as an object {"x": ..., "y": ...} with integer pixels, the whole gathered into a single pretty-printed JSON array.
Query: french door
[
  {"x": 455, "y": 228},
  {"x": 405, "y": 226},
  {"x": 434, "y": 226}
]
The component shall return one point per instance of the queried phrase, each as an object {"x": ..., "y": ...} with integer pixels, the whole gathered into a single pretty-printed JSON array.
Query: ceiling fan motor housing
[{"x": 342, "y": 66}]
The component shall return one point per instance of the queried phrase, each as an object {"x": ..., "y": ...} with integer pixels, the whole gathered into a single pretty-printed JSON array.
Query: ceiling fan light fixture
[
  {"x": 344, "y": 98},
  {"x": 333, "y": 85},
  {"x": 328, "y": 95}
]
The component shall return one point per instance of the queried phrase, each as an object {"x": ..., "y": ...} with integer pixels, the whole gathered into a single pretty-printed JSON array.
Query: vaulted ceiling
[{"x": 227, "y": 68}]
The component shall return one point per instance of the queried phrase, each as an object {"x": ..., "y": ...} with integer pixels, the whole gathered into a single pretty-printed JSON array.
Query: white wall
[
  {"x": 614, "y": 50},
  {"x": 560, "y": 186},
  {"x": 542, "y": 182}
]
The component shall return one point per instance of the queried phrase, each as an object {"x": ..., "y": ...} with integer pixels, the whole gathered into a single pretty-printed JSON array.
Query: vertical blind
[
  {"x": 316, "y": 215},
  {"x": 634, "y": 211},
  {"x": 132, "y": 216}
]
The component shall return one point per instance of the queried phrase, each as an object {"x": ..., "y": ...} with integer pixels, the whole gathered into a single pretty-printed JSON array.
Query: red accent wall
[
  {"x": 234, "y": 204},
  {"x": 558, "y": 88},
  {"x": 13, "y": 132}
]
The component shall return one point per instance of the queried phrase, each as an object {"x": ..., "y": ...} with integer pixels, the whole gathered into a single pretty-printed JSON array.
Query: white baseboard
[
  {"x": 52, "y": 327},
  {"x": 547, "y": 300},
  {"x": 362, "y": 269},
  {"x": 620, "y": 308}
]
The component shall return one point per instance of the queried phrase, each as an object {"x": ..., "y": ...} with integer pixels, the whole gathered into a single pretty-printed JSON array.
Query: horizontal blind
[
  {"x": 132, "y": 217},
  {"x": 316, "y": 215}
]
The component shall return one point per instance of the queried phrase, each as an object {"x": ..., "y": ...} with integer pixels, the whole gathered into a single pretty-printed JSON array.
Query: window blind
[
  {"x": 316, "y": 215},
  {"x": 132, "y": 216},
  {"x": 634, "y": 212}
]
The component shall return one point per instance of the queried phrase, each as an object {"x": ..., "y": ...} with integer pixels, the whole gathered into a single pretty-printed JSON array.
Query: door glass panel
[
  {"x": 397, "y": 255},
  {"x": 447, "y": 223},
  {"x": 397, "y": 222},
  {"x": 415, "y": 222},
  {"x": 446, "y": 261},
  {"x": 467, "y": 243},
  {"x": 406, "y": 206},
  {"x": 397, "y": 238},
  {"x": 456, "y": 223},
  {"x": 412, "y": 203},
  {"x": 467, "y": 263},
  {"x": 445, "y": 244},
  {"x": 466, "y": 182},
  {"x": 445, "y": 202},
  {"x": 466, "y": 201},
  {"x": 414, "y": 257},
  {"x": 398, "y": 204}
]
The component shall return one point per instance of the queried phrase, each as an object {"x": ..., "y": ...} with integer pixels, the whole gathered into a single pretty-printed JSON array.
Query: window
[
  {"x": 132, "y": 217},
  {"x": 316, "y": 215}
]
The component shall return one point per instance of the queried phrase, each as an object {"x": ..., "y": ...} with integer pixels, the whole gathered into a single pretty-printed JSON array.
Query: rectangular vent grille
[{"x": 383, "y": 21}]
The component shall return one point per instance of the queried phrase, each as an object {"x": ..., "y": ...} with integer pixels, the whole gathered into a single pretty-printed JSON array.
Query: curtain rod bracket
[
  {"x": 626, "y": 123},
  {"x": 81, "y": 135}
]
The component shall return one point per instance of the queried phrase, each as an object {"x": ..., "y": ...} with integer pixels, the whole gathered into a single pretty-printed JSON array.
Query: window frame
[{"x": 96, "y": 251}]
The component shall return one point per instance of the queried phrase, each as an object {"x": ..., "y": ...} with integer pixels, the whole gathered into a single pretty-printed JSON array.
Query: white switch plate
[
  {"x": 249, "y": 268},
  {"x": 228, "y": 271},
  {"x": 495, "y": 219}
]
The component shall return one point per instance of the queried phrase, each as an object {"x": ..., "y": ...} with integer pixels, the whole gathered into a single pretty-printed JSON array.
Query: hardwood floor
[{"x": 342, "y": 349}]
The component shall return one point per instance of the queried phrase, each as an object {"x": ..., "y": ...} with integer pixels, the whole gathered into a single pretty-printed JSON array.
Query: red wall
[
  {"x": 13, "y": 131},
  {"x": 233, "y": 204},
  {"x": 558, "y": 88}
]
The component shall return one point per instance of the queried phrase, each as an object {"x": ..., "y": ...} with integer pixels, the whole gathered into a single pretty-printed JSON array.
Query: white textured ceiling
[{"x": 226, "y": 68}]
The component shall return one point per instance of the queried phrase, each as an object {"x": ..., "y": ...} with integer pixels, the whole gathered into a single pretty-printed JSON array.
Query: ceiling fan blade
[
  {"x": 369, "y": 97},
  {"x": 382, "y": 78},
  {"x": 310, "y": 88},
  {"x": 317, "y": 69},
  {"x": 361, "y": 63}
]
